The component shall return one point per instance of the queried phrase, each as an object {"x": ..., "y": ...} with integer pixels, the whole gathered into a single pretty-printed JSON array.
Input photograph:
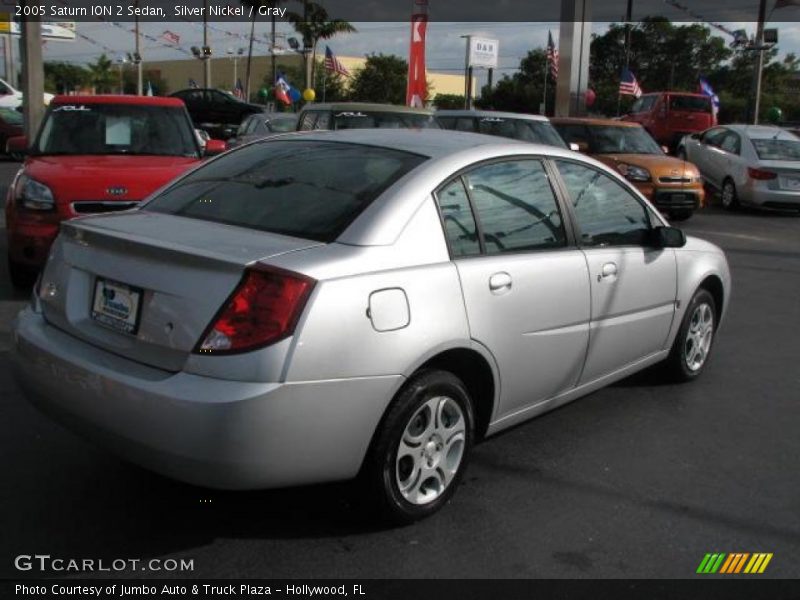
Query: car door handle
[
  {"x": 500, "y": 282},
  {"x": 609, "y": 270}
]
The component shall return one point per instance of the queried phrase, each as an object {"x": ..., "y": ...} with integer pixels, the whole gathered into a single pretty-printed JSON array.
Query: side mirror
[
  {"x": 668, "y": 237},
  {"x": 214, "y": 147},
  {"x": 695, "y": 136},
  {"x": 574, "y": 147},
  {"x": 665, "y": 149},
  {"x": 17, "y": 145}
]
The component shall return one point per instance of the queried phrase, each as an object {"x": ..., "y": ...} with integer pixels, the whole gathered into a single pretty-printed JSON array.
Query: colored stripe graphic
[{"x": 734, "y": 563}]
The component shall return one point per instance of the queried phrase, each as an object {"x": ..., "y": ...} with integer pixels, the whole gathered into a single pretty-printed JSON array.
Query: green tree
[
  {"x": 62, "y": 77},
  {"x": 522, "y": 91},
  {"x": 315, "y": 24},
  {"x": 102, "y": 75},
  {"x": 383, "y": 79}
]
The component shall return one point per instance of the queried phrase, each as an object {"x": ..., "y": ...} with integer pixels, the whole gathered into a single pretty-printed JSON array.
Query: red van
[
  {"x": 668, "y": 116},
  {"x": 93, "y": 154}
]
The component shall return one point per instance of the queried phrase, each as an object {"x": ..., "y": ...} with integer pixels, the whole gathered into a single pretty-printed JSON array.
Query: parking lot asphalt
[{"x": 640, "y": 479}]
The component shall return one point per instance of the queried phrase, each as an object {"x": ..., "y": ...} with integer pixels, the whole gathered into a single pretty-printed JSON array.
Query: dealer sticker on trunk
[{"x": 116, "y": 305}]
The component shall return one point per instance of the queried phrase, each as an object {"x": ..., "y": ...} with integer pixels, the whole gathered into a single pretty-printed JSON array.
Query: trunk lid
[{"x": 172, "y": 274}]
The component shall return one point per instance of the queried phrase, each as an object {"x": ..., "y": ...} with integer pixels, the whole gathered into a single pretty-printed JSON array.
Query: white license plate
[
  {"x": 116, "y": 305},
  {"x": 790, "y": 183}
]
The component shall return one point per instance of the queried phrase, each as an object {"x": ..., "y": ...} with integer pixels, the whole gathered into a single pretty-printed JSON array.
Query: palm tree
[
  {"x": 315, "y": 24},
  {"x": 101, "y": 75}
]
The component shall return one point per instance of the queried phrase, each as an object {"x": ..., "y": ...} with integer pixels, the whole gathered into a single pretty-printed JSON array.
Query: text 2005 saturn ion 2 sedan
[{"x": 366, "y": 303}]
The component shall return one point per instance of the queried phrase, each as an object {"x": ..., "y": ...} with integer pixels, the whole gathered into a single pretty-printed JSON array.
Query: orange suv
[{"x": 673, "y": 185}]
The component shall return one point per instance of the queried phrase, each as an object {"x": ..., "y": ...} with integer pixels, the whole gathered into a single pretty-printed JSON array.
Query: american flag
[
  {"x": 628, "y": 86},
  {"x": 552, "y": 56},
  {"x": 171, "y": 37},
  {"x": 332, "y": 63},
  {"x": 238, "y": 91}
]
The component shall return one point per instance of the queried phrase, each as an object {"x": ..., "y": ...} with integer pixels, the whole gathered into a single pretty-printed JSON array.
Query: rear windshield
[
  {"x": 94, "y": 128},
  {"x": 690, "y": 103},
  {"x": 538, "y": 132},
  {"x": 358, "y": 119},
  {"x": 301, "y": 188},
  {"x": 771, "y": 149}
]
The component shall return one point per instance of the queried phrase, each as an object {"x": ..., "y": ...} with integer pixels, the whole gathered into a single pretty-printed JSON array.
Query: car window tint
[
  {"x": 573, "y": 134},
  {"x": 283, "y": 124},
  {"x": 730, "y": 143},
  {"x": 607, "y": 213},
  {"x": 643, "y": 104},
  {"x": 465, "y": 124},
  {"x": 308, "y": 120},
  {"x": 302, "y": 188},
  {"x": 242, "y": 129},
  {"x": 713, "y": 137},
  {"x": 323, "y": 121},
  {"x": 516, "y": 206},
  {"x": 459, "y": 223}
]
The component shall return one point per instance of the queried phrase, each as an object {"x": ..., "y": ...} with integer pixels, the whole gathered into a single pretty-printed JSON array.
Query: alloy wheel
[{"x": 699, "y": 337}]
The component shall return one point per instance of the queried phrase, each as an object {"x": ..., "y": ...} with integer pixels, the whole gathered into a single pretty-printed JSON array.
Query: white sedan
[{"x": 752, "y": 165}]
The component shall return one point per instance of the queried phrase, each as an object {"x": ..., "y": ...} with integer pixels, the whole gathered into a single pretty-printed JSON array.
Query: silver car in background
[
  {"x": 516, "y": 126},
  {"x": 367, "y": 303},
  {"x": 754, "y": 165}
]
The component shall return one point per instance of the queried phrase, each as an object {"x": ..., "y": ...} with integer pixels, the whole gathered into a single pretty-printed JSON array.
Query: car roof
[
  {"x": 432, "y": 143},
  {"x": 489, "y": 113},
  {"x": 119, "y": 99},
  {"x": 760, "y": 131},
  {"x": 592, "y": 121},
  {"x": 675, "y": 93},
  {"x": 372, "y": 107}
]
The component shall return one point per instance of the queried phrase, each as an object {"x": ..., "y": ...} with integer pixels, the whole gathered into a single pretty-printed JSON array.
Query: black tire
[
  {"x": 678, "y": 366},
  {"x": 22, "y": 276},
  {"x": 730, "y": 200},
  {"x": 383, "y": 473}
]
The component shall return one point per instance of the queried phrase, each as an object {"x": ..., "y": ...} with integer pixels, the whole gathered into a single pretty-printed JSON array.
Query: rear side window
[
  {"x": 301, "y": 188},
  {"x": 690, "y": 103},
  {"x": 459, "y": 223},
  {"x": 516, "y": 206},
  {"x": 643, "y": 104},
  {"x": 308, "y": 120}
]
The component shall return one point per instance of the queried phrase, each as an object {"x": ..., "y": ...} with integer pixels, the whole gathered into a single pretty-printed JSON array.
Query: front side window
[
  {"x": 98, "y": 129},
  {"x": 516, "y": 206},
  {"x": 606, "y": 212},
  {"x": 302, "y": 188},
  {"x": 459, "y": 223},
  {"x": 643, "y": 104}
]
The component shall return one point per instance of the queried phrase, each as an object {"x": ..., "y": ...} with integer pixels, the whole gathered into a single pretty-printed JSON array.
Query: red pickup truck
[{"x": 668, "y": 116}]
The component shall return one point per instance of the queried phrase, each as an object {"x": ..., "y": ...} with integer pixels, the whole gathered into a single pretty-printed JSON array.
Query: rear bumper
[
  {"x": 758, "y": 195},
  {"x": 216, "y": 433}
]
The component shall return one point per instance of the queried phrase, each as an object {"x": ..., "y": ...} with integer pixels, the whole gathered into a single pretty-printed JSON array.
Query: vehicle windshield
[
  {"x": 301, "y": 188},
  {"x": 132, "y": 129},
  {"x": 282, "y": 124},
  {"x": 361, "y": 119},
  {"x": 772, "y": 149},
  {"x": 690, "y": 103},
  {"x": 11, "y": 116},
  {"x": 538, "y": 132},
  {"x": 607, "y": 139}
]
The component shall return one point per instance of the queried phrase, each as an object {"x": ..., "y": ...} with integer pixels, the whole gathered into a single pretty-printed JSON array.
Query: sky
[{"x": 445, "y": 47}]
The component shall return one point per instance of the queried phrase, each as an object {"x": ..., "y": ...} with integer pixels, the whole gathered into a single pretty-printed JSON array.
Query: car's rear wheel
[
  {"x": 692, "y": 345},
  {"x": 420, "y": 452},
  {"x": 22, "y": 276},
  {"x": 730, "y": 200}
]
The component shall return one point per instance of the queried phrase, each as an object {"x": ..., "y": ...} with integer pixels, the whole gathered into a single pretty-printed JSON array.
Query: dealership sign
[
  {"x": 482, "y": 53},
  {"x": 62, "y": 31}
]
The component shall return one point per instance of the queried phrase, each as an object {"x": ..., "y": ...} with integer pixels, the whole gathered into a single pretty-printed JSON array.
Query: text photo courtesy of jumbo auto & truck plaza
[{"x": 325, "y": 298}]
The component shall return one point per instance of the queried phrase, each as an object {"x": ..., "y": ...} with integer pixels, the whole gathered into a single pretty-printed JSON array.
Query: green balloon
[
  {"x": 775, "y": 115},
  {"x": 263, "y": 93}
]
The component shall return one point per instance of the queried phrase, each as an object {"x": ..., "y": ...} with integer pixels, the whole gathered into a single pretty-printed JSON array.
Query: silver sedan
[
  {"x": 367, "y": 304},
  {"x": 749, "y": 164}
]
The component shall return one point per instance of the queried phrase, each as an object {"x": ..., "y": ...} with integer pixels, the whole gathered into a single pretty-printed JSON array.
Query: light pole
[
  {"x": 137, "y": 57},
  {"x": 206, "y": 49},
  {"x": 759, "y": 47},
  {"x": 235, "y": 56},
  {"x": 121, "y": 65},
  {"x": 467, "y": 75}
]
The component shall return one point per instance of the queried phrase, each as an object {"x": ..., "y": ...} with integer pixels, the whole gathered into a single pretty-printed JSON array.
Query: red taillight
[
  {"x": 760, "y": 174},
  {"x": 262, "y": 310}
]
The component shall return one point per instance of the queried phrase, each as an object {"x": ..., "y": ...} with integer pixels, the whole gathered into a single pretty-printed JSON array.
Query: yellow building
[{"x": 225, "y": 70}]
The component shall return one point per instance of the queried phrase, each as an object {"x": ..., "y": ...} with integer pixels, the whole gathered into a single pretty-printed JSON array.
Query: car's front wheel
[
  {"x": 420, "y": 452},
  {"x": 692, "y": 345}
]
